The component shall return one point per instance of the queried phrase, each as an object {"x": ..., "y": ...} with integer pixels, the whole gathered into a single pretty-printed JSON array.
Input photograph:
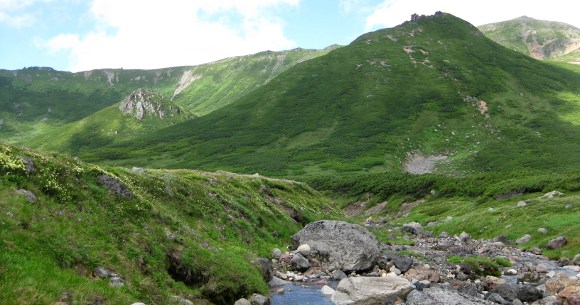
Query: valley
[{"x": 446, "y": 148}]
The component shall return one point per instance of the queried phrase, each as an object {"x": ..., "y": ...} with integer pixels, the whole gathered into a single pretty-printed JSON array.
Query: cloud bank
[{"x": 155, "y": 34}]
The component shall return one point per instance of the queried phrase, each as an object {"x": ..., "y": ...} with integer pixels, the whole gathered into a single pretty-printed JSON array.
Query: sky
[{"x": 80, "y": 35}]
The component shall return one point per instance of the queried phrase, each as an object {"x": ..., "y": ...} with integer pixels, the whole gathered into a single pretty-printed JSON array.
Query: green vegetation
[
  {"x": 413, "y": 89},
  {"x": 536, "y": 38},
  {"x": 34, "y": 101},
  {"x": 477, "y": 265},
  {"x": 484, "y": 205},
  {"x": 166, "y": 233}
]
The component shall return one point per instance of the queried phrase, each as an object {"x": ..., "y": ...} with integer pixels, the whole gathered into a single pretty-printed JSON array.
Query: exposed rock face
[
  {"x": 143, "y": 102},
  {"x": 115, "y": 186},
  {"x": 340, "y": 245},
  {"x": 371, "y": 290}
]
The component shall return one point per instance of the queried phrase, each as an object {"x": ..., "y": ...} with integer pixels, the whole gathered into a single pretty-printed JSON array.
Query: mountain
[
  {"x": 537, "y": 38},
  {"x": 34, "y": 101},
  {"x": 433, "y": 94},
  {"x": 141, "y": 112}
]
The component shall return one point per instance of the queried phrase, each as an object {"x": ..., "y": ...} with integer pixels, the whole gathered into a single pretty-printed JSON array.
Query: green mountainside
[
  {"x": 165, "y": 233},
  {"x": 433, "y": 89},
  {"x": 537, "y": 38},
  {"x": 140, "y": 113},
  {"x": 34, "y": 101}
]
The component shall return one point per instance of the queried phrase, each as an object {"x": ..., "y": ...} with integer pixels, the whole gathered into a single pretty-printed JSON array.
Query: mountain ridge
[{"x": 417, "y": 88}]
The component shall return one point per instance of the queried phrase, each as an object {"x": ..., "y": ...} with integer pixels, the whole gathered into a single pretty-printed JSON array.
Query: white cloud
[
  {"x": 154, "y": 34},
  {"x": 393, "y": 12},
  {"x": 14, "y": 12}
]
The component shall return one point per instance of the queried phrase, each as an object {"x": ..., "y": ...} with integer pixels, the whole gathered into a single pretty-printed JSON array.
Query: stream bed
[{"x": 303, "y": 294}]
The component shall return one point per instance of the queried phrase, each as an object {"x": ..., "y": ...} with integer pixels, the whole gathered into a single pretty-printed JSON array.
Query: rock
[
  {"x": 395, "y": 270},
  {"x": 276, "y": 253},
  {"x": 242, "y": 301},
  {"x": 116, "y": 281},
  {"x": 258, "y": 299},
  {"x": 276, "y": 281},
  {"x": 28, "y": 194},
  {"x": 528, "y": 293},
  {"x": 511, "y": 272},
  {"x": 559, "y": 282},
  {"x": 326, "y": 290},
  {"x": 101, "y": 272},
  {"x": 420, "y": 285},
  {"x": 440, "y": 296},
  {"x": 139, "y": 170},
  {"x": 506, "y": 291},
  {"x": 557, "y": 243},
  {"x": 371, "y": 290},
  {"x": 443, "y": 235},
  {"x": 299, "y": 263},
  {"x": 414, "y": 228},
  {"x": 304, "y": 249},
  {"x": 464, "y": 237},
  {"x": 496, "y": 298},
  {"x": 138, "y": 303},
  {"x": 524, "y": 239},
  {"x": 182, "y": 301},
  {"x": 337, "y": 275},
  {"x": 569, "y": 292},
  {"x": 401, "y": 262},
  {"x": 549, "y": 300},
  {"x": 576, "y": 258},
  {"x": 542, "y": 230},
  {"x": 517, "y": 302},
  {"x": 573, "y": 300},
  {"x": 265, "y": 267},
  {"x": 552, "y": 194},
  {"x": 29, "y": 165},
  {"x": 421, "y": 273},
  {"x": 542, "y": 268},
  {"x": 521, "y": 203},
  {"x": 340, "y": 245},
  {"x": 115, "y": 186}
]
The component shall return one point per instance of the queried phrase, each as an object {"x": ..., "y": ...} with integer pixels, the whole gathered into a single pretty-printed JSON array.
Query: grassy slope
[
  {"x": 537, "y": 38},
  {"x": 104, "y": 127},
  {"x": 363, "y": 107},
  {"x": 210, "y": 225},
  {"x": 34, "y": 101},
  {"x": 222, "y": 82}
]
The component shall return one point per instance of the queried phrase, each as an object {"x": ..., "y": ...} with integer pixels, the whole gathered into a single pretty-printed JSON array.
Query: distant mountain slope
[
  {"x": 205, "y": 88},
  {"x": 34, "y": 101},
  {"x": 537, "y": 38},
  {"x": 435, "y": 88},
  {"x": 141, "y": 112}
]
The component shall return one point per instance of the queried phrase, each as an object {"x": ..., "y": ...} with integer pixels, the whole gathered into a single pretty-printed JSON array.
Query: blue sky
[{"x": 78, "y": 35}]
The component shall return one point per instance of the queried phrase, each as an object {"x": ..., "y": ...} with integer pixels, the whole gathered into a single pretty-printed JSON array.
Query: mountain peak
[{"x": 142, "y": 102}]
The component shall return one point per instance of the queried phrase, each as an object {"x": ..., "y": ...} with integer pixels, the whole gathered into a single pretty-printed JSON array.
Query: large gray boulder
[
  {"x": 439, "y": 296},
  {"x": 340, "y": 245},
  {"x": 371, "y": 290}
]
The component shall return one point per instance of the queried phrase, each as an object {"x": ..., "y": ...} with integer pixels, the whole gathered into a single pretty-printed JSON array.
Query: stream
[{"x": 303, "y": 294}]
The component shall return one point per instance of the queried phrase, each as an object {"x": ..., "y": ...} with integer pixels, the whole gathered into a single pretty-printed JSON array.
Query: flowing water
[{"x": 307, "y": 294}]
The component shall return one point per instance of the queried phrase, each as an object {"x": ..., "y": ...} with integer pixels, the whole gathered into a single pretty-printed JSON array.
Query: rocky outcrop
[
  {"x": 340, "y": 245},
  {"x": 371, "y": 290},
  {"x": 144, "y": 102}
]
